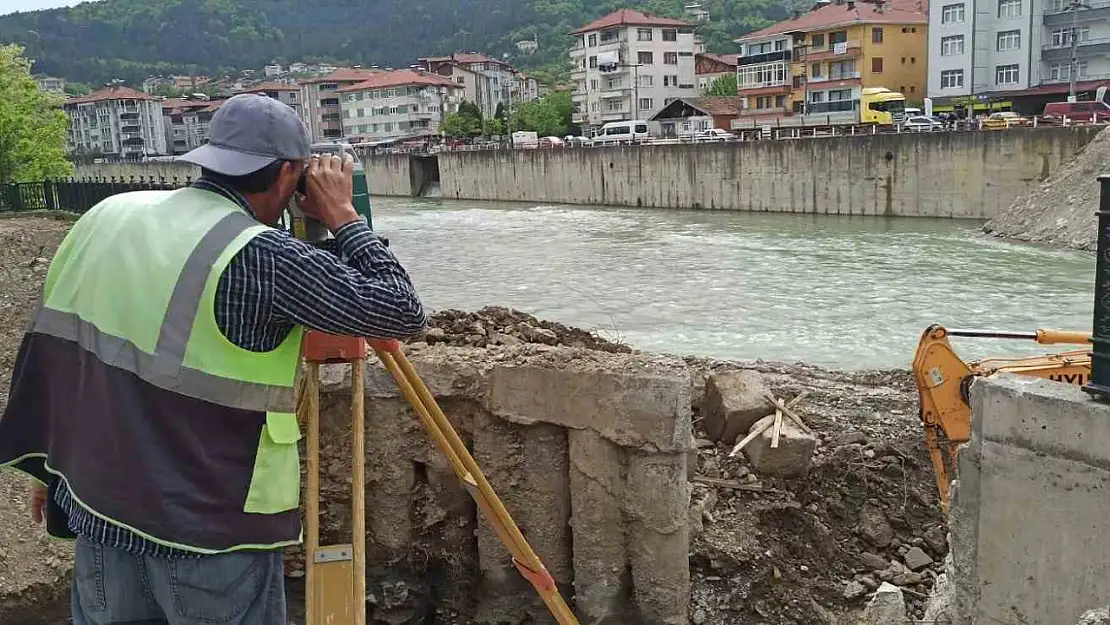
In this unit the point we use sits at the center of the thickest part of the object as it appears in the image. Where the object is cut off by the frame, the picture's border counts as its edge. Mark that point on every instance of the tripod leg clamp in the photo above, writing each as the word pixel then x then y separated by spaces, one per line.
pixel 540 579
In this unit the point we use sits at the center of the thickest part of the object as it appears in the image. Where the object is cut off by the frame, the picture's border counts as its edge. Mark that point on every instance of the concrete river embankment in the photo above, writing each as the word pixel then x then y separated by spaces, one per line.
pixel 951 174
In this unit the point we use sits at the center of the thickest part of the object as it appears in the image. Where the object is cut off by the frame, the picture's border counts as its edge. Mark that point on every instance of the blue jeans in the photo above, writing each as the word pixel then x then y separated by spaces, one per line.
pixel 115 587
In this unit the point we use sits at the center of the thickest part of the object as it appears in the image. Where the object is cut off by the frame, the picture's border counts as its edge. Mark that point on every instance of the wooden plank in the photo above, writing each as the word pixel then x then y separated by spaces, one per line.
pixel 333 600
pixel 776 429
pixel 755 431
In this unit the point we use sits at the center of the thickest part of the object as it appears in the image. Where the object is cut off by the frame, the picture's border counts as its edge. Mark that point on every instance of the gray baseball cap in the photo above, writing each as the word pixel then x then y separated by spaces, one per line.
pixel 249 132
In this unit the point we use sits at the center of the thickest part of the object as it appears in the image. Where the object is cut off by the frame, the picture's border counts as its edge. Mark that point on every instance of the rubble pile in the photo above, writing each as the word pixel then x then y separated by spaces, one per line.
pixel 496 325
pixel 1061 211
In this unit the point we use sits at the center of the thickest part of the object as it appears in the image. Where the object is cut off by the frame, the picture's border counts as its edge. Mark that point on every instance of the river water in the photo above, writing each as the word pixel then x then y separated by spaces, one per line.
pixel 843 292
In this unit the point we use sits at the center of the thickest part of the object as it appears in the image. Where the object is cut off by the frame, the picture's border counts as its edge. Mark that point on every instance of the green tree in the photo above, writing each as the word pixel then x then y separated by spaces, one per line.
pixel 723 86
pixel 549 116
pixel 32 124
pixel 460 126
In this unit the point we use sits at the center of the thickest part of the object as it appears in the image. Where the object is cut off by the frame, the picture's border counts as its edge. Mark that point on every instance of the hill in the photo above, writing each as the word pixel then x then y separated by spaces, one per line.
pixel 96 42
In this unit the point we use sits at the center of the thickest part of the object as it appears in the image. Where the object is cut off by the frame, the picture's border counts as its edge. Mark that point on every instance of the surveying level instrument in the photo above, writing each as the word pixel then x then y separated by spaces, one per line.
pixel 335 575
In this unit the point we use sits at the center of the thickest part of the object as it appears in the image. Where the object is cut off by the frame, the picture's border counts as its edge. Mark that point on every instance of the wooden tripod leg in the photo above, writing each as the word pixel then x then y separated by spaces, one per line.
pixel 310 403
pixel 358 490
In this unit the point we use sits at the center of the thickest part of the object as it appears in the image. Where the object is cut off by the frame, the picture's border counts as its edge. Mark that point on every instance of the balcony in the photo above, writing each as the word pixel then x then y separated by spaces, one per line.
pixel 763 85
pixel 1085 49
pixel 1062 17
pixel 134 115
pixel 768 57
pixel 833 77
pixel 845 50
pixel 1048 80
pixel 616 116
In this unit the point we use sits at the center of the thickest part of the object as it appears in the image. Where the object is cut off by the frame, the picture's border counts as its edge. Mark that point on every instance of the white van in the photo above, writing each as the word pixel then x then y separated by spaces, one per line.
pixel 621 132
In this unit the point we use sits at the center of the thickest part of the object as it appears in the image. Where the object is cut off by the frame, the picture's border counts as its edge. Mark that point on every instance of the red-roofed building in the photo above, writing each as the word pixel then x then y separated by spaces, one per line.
pixel 320 103
pixel 397 104
pixel 116 121
pixel 282 92
pixel 819 61
pixel 186 122
pixel 629 65
pixel 488 82
pixel 710 67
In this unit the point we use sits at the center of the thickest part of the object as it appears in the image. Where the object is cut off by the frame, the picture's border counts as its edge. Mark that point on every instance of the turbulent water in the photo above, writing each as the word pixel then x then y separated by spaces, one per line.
pixel 844 292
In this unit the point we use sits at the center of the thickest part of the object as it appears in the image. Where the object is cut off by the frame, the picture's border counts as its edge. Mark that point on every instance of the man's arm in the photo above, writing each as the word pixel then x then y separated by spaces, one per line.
pixel 372 296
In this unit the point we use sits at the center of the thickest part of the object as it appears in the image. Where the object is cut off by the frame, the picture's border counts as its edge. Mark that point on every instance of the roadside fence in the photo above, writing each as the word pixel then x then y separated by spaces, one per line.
pixel 76 195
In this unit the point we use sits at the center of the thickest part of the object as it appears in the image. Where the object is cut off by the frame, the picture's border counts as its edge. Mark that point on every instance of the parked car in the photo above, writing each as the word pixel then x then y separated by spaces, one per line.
pixel 1005 119
pixel 573 141
pixel 922 123
pixel 714 135
pixel 551 142
pixel 1091 110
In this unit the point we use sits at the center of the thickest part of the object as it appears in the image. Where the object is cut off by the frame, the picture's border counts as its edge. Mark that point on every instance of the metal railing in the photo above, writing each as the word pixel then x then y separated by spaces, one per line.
pixel 76 195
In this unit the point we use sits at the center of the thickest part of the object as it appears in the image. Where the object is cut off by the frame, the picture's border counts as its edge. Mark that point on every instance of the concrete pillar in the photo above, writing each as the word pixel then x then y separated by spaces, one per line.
pixel 657 500
pixel 527 467
pixel 602 581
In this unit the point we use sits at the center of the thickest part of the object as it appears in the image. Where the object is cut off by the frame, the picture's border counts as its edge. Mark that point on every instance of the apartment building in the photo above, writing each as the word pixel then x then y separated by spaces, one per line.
pixel 117 121
pixel 1015 53
pixel 397 104
pixel 186 123
pixel 629 65
pixel 51 84
pixel 489 82
pixel 320 101
pixel 709 67
pixel 285 93
pixel 819 61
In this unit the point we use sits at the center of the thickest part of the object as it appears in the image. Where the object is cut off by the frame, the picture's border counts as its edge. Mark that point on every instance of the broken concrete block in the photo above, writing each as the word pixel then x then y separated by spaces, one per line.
pixel 874 526
pixel 791 458
pixel 916 559
pixel 887 607
pixel 1098 616
pixel 733 402
pixel 657 501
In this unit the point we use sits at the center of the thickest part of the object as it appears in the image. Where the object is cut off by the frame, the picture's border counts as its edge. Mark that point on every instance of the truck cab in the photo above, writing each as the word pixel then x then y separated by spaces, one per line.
pixel 879 105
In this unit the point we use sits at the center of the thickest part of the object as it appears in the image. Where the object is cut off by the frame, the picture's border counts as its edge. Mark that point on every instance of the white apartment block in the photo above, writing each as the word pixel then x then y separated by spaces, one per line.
pixel 629 65
pixel 116 122
pixel 320 101
pixel 51 84
pixel 187 122
pixel 398 104
pixel 980 48
pixel 489 83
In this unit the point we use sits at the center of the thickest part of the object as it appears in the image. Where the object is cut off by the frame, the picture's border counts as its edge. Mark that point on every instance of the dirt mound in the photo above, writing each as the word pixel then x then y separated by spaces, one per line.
pixel 1062 210
pixel 810 550
pixel 33 569
pixel 495 325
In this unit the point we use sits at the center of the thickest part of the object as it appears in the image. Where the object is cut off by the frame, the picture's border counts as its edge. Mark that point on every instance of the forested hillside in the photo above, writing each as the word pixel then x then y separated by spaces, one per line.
pixel 130 39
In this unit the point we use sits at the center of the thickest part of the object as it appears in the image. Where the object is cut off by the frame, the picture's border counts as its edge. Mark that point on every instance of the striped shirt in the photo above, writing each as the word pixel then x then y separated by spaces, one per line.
pixel 273 284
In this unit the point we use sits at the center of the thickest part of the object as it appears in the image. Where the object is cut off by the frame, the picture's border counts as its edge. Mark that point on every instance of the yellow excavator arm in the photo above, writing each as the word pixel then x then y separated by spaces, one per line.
pixel 943 380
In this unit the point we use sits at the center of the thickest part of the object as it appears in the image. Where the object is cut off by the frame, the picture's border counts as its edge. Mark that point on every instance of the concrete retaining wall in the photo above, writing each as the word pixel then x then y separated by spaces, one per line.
pixel 957 174
pixel 587 450
pixel 1031 510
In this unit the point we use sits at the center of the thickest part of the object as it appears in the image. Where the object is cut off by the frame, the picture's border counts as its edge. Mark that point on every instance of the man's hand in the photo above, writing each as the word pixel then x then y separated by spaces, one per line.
pixel 329 185
pixel 38 502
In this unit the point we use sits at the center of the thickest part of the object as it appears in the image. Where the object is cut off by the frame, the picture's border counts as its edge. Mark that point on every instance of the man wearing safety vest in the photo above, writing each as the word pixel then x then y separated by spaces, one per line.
pixel 152 397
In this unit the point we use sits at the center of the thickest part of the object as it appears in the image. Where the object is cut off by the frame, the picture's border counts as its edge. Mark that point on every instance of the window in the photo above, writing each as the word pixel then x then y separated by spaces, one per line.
pixel 840 36
pixel 1061 37
pixel 877 35
pixel 643 34
pixel 780 101
pixel 593 40
pixel 647 81
pixel 817 96
pixel 780 45
pixel 593 61
pixel 670 80
pixel 593 84
pixel 842 69
pixel 818 41
pixel 764 75
pixel 670 34
pixel 646 104
pixel 670 58
pixel 1062 71
pixel 1009 40
pixel 614 106
pixel 815 70
pixel 877 65
pixel 612 83
pixel 952 14
pixel 1059 5
pixel 952 46
pixel 763 102
pixel 645 58
pixel 1006 74
pixel 1009 8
